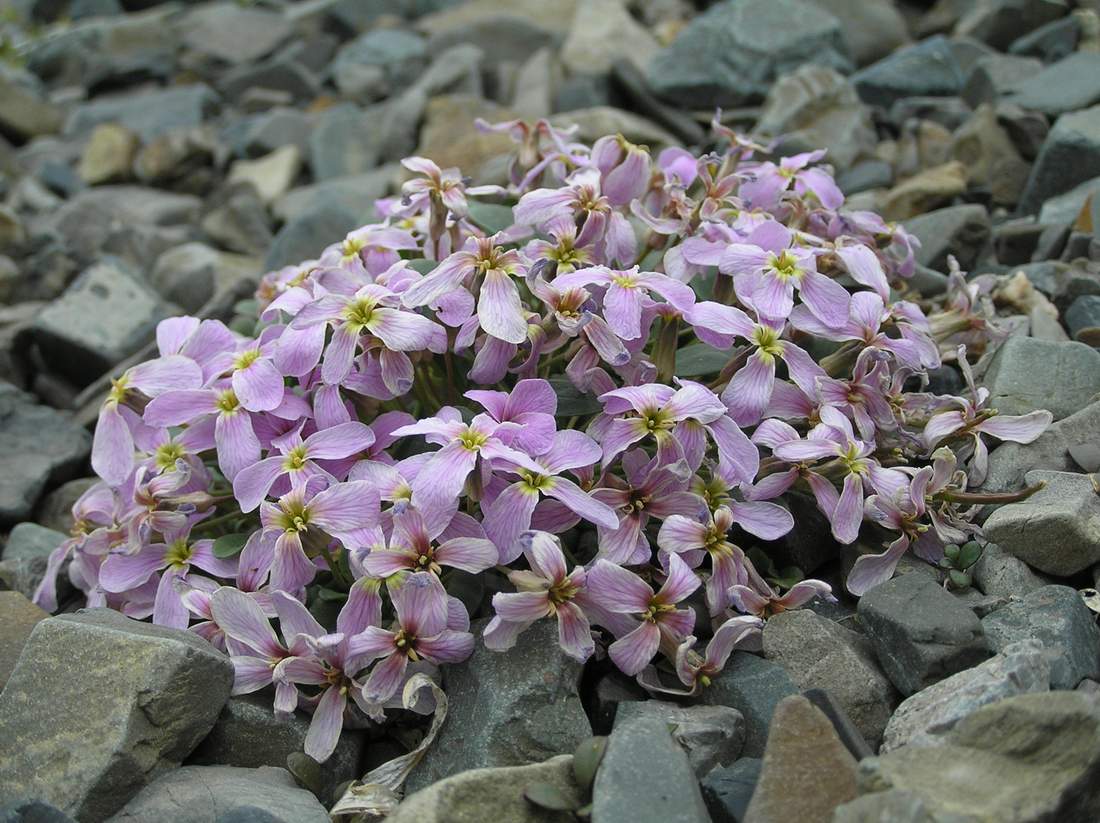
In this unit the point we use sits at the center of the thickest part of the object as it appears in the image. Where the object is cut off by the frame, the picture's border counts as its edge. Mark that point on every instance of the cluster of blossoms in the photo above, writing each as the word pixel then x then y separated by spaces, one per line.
pixel 471 388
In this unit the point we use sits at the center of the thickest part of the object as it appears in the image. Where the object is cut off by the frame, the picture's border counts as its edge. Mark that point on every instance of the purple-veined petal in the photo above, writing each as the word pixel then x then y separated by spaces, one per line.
pixel 238 446
pixel 499 308
pixel 336 442
pixel 168 608
pixel 574 632
pixel 767 521
pixel 681 534
pixel 680 582
pixel 122 572
pixel 618 590
pixel 448 646
pixel 325 727
pixel 826 298
pixel 1022 428
pixel 747 395
pixel 545 555
pixel 633 652
pixel 339 354
pixel 582 503
pixel 623 311
pixel 259 386
pixel 250 674
pixel 252 483
pixel 241 618
pixel 421 604
pixel 294 618
pixel 344 507
pixel 112 446
pixel 849 510
pixel 386 677
pixel 871 569
pixel 522 607
pixel 177 407
pixel 471 554
pixel 507 517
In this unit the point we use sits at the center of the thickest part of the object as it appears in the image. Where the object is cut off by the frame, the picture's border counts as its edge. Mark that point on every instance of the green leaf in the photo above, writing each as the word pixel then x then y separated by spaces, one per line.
pixel 229 545
pixel 698 359
pixel 423 266
pixel 586 760
pixel 571 401
pixel 968 555
pixel 548 796
pixel 248 308
pixel 787 577
pixel 306 771
pixel 960 580
pixel 951 551
pixel 331 595
pixel 492 217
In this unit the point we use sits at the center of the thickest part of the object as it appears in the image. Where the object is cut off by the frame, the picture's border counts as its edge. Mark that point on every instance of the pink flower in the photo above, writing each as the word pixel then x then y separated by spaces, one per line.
pixel 410 547
pixel 693 671
pixel 627 294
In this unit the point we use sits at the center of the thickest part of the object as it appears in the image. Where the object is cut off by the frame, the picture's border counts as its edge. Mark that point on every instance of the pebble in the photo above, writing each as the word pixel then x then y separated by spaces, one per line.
pixel 303 237
pixel 109 155
pixel 926 68
pixel 728 790
pixel 1027 374
pixel 712 736
pixel 754 686
pixel 1070 154
pixel 25 555
pixel 18 617
pixel 272 175
pixel 147 114
pixel 233 34
pixel 960 231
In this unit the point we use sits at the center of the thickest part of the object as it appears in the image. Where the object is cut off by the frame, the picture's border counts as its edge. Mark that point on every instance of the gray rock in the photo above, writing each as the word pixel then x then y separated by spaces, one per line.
pixel 340 144
pixel 962 231
pixel 927 68
pixel 147 114
pixel 41 447
pixel 357 193
pixel 305 237
pixel 247 734
pixel 1057 529
pixel 1051 42
pixel 711 735
pixel 25 555
pixel 920 633
pixel 603 32
pixel 999 22
pixel 728 790
pixel 1070 154
pixel 233 34
pixel 894 806
pixel 818 653
pixel 508 708
pixel 1057 618
pixel 56 510
pixel 1026 374
pixel 754 686
pixel 399 55
pixel 238 221
pixel 730 54
pixel 18 617
pixel 32 811
pixel 281 72
pixel 866 175
pixel 272 175
pixel 478 795
pixel 1034 757
pixel 106 315
pixel 24 113
pixel 806 770
pixel 1064 208
pixel 1065 86
pixel 924 718
pixel 646 777
pixel 872 28
pixel 211 794
pixel 186 275
pixel 994 163
pixel 267 131
pixel 999 573
pixel 994 75
pixel 1083 318
pixel 147 695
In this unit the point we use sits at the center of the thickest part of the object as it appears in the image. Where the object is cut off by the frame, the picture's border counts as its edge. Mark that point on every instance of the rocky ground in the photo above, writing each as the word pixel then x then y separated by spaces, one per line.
pixel 157 158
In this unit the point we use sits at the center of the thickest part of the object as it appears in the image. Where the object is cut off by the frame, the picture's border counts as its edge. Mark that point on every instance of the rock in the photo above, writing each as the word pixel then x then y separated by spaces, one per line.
pixel 106 315
pixel 23 112
pixel 1070 154
pixel 1083 318
pixel 270 130
pixel 56 509
pixel 1064 208
pixel 357 193
pixel 395 56
pixel 247 734
pixel 872 28
pixel 211 794
pixel 32 811
pixel 25 555
pixel 727 790
pixel 273 175
pixel 281 72
pixel 191 274
pixel 1057 618
pixel 1000 22
pixel 925 191
pixel 949 112
pixel 729 55
pixel 1051 42
pixel 816 106
pixel 996 74
pixel 109 154
pixel 478 795
pixel 962 231
pixel 1026 374
pixel 41 447
pixel 603 32
pixel 306 236
pixel 920 633
pixel 926 68
pixel 18 617
pixel 87 750
pixel 711 735
pixel 508 708
pixel 818 653
pixel 507 33
pixel 991 158
pixel 645 776
pixel 450 137
pixel 1027 758
pixel 924 718
pixel 147 114
pixel 999 573
pixel 595 122
pixel 807 772
pixel 232 33
pixel 754 686
pixel 338 145
pixel 1061 87
pixel 238 221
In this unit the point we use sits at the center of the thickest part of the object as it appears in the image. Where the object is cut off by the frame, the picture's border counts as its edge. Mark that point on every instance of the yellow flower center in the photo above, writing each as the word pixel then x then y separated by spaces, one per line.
pixel 119 388
pixel 536 482
pixel 785 265
pixel 767 340
pixel 246 359
pixel 295 459
pixel 360 312
pixel 178 553
pixel 227 401
pixel 166 456
pixel 472 440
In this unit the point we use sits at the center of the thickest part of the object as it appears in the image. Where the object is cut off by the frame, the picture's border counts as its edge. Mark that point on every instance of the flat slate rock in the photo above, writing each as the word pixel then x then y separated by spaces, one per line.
pixel 1028 374
pixel 754 686
pixel 711 735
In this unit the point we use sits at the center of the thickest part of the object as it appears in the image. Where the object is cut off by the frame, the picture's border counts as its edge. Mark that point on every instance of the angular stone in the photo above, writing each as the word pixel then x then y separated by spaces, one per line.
pixel 1083 318
pixel 283 71
pixel 729 55
pixel 926 717
pixel 306 236
pixel 999 573
pixel 270 130
pixel 992 159
pixel 1057 618
pixel 23 113
pixel 508 708
pixel 247 734
pixel 927 68
pixel 646 777
pixel 992 76
pixel 925 191
pixel 1034 757
pixel 232 33
pixel 1065 86
pixel 754 686
pixel 25 556
pixel 273 175
pixel 32 811
pixel 109 155
pixel 106 315
pixel 1052 42
pixel 507 33
pixel 147 114
pixel 41 446
pixel 1070 154
pixel 711 735
pixel 728 790
pixel 962 231
pixel 920 633
pixel 238 221
pixel 1026 374
pixel 1057 529
pixel 872 28
pixel 391 57
pixel 479 795
pixel 340 145
pixel 100 705
pixel 450 137
pixel 18 617
pixel 807 772
pixel 210 794
pixel 603 32
pixel 999 22
pixel 357 193
pixel 191 274
pixel 818 653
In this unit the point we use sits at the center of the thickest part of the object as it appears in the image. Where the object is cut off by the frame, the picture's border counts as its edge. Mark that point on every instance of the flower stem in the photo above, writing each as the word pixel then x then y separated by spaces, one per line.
pixel 992 497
